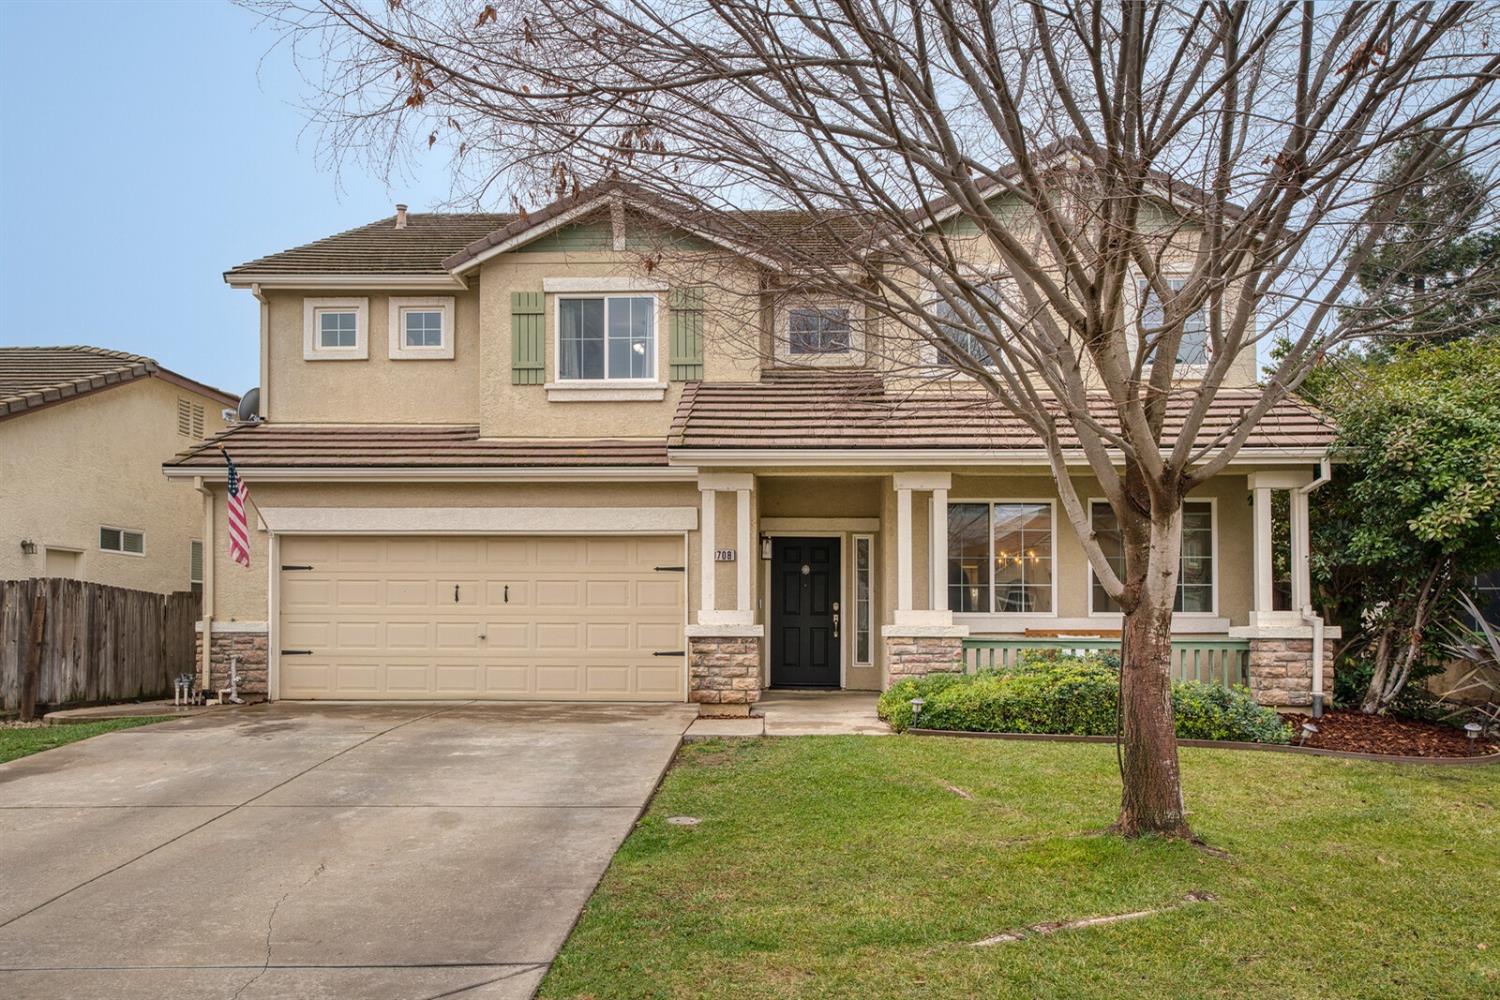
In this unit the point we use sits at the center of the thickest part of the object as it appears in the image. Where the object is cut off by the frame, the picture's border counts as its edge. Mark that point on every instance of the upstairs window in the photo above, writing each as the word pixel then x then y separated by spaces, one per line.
pixel 190 419
pixel 968 330
pixel 335 329
pixel 606 338
pixel 421 327
pixel 818 330
pixel 1192 349
pixel 1195 567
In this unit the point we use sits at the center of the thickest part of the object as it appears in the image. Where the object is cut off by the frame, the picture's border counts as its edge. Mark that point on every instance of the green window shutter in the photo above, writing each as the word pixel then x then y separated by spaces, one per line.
pixel 528 338
pixel 686 359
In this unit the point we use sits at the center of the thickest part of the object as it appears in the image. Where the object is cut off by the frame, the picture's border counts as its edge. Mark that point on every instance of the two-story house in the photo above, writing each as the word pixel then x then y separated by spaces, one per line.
pixel 596 452
pixel 83 433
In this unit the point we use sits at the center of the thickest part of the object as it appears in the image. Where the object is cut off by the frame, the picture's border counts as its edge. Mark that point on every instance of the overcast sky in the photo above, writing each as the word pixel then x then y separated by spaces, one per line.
pixel 145 147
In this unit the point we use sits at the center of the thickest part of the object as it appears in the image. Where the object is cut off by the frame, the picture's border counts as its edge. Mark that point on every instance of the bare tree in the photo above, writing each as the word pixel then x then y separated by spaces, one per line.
pixel 1222 157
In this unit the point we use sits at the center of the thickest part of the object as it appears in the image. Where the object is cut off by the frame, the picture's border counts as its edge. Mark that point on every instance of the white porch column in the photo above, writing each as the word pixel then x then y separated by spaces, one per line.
pixel 1301 545
pixel 1261 596
pixel 937 576
pixel 903 549
pixel 710 484
pixel 938 483
pixel 744 553
pixel 707 600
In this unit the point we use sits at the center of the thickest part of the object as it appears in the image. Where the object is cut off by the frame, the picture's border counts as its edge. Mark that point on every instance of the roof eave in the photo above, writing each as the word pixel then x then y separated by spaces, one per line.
pixel 335 281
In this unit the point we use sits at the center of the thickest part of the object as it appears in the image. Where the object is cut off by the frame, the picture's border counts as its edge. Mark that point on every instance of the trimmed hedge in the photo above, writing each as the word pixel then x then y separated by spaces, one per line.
pixel 1053 692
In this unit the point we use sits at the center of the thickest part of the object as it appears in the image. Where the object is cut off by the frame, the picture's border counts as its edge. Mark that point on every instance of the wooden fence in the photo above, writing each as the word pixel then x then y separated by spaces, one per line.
pixel 99 644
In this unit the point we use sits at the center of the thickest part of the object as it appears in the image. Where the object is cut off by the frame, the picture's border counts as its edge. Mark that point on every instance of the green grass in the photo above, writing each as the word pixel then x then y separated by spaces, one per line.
pixel 15 743
pixel 844 867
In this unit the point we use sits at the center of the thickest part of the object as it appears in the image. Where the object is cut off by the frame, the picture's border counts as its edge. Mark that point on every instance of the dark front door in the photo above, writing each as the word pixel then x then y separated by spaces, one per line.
pixel 805 612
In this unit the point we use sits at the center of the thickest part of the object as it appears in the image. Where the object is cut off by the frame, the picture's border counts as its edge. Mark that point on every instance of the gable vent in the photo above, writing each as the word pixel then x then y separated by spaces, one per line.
pixel 189 419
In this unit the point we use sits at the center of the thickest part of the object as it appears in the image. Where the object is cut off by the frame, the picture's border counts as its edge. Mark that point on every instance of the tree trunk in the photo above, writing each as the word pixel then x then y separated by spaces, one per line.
pixel 1151 798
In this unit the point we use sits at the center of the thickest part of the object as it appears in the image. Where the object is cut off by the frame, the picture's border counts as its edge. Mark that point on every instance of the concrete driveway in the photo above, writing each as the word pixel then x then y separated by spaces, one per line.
pixel 319 850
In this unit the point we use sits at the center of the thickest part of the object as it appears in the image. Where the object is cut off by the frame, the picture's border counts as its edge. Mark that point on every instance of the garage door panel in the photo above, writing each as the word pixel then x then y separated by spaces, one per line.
pixel 535 617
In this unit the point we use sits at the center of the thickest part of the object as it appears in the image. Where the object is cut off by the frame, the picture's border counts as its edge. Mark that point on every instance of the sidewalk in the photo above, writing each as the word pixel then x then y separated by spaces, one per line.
pixel 801 713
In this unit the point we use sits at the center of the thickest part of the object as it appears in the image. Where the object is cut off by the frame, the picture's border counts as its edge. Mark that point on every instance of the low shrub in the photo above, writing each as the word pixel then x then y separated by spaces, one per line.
pixel 1050 691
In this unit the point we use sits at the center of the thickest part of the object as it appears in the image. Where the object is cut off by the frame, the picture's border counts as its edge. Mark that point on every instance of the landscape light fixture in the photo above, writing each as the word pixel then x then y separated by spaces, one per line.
pixel 916 709
pixel 1472 731
pixel 1308 729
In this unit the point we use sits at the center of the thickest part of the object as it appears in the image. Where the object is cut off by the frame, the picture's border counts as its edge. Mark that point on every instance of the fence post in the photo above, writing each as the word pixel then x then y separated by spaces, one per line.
pixel 34 656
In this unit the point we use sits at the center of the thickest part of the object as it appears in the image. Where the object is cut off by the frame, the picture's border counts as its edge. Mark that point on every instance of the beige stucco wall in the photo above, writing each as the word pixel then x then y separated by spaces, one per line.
pixel 379 389
pixel 70 468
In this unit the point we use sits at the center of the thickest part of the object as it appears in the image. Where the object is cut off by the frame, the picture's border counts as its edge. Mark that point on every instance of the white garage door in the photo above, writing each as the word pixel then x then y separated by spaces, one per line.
pixel 563 618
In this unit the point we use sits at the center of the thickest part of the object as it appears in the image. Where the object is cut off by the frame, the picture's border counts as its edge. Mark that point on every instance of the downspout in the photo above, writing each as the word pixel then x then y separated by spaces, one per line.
pixel 1325 473
pixel 210 554
pixel 265 349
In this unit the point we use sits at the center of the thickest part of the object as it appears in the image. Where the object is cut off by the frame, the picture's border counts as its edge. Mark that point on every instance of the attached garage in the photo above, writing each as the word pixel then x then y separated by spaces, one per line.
pixel 546 617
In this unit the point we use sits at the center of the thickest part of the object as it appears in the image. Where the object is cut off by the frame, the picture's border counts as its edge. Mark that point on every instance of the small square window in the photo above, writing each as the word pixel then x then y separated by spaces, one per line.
pixel 337 328
pixel 334 329
pixel 421 329
pixel 424 329
pixel 109 539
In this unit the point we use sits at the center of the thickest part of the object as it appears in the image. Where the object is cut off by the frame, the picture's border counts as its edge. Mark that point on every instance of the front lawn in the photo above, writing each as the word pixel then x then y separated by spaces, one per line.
pixel 21 742
pixel 853 866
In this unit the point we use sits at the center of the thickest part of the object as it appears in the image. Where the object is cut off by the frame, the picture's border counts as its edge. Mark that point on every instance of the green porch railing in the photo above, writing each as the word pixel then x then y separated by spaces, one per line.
pixel 1212 661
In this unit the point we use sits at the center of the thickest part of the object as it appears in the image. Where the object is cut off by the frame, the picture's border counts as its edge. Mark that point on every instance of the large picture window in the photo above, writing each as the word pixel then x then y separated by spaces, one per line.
pixel 1195 570
pixel 968 330
pixel 609 337
pixel 1000 557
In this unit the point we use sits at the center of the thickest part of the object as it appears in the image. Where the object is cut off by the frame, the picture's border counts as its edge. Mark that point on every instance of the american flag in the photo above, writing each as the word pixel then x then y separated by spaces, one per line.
pixel 239 534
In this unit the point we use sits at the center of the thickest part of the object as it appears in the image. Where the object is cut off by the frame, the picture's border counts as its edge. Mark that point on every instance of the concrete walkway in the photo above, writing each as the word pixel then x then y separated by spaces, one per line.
pixel 801 713
pixel 319 850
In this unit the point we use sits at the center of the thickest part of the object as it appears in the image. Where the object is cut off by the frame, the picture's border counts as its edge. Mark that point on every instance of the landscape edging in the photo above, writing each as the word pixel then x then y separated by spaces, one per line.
pixel 1493 758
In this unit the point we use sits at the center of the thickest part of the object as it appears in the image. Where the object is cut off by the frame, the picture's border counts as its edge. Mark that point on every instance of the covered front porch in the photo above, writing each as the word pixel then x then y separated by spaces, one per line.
pixel 840 578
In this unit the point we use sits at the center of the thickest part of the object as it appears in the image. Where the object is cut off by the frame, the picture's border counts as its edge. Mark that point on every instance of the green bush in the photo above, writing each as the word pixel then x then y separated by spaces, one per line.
pixel 1053 692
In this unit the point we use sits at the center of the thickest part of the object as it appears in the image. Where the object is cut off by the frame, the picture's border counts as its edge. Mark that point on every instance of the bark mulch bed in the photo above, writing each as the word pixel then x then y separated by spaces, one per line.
pixel 1360 733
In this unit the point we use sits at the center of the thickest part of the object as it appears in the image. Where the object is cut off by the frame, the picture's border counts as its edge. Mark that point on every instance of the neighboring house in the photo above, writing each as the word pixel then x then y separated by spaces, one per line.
pixel 83 433
pixel 597 452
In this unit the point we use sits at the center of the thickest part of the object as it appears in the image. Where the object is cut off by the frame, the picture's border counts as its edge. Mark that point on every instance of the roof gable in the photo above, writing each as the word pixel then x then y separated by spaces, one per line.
pixel 34 377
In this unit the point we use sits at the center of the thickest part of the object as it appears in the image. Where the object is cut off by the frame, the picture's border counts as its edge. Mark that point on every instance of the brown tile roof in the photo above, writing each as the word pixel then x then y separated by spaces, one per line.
pixel 410 446
pixel 802 411
pixel 32 377
pixel 381 248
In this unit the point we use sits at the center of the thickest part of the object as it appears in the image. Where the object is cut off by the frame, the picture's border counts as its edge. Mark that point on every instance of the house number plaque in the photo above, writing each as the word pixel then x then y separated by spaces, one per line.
pixel 724 555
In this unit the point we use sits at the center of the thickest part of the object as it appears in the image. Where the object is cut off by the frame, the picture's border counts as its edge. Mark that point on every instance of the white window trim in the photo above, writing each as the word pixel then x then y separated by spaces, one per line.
pixel 872 601
pixel 1132 334
pixel 396 327
pixel 782 337
pixel 605 285
pixel 312 351
pixel 1213 530
pixel 997 616
pixel 121 550
pixel 605 389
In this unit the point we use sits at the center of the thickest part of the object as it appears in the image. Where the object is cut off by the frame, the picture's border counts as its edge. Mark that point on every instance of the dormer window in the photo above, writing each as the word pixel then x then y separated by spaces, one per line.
pixel 421 328
pixel 818 330
pixel 606 338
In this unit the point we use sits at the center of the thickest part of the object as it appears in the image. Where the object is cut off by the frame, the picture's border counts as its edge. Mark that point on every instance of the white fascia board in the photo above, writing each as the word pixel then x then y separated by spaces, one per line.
pixel 480 520
pixel 675 474
pixel 788 457
pixel 403 282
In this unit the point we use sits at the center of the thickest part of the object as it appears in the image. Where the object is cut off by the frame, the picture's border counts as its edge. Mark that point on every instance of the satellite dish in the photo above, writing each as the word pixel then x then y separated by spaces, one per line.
pixel 250 406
